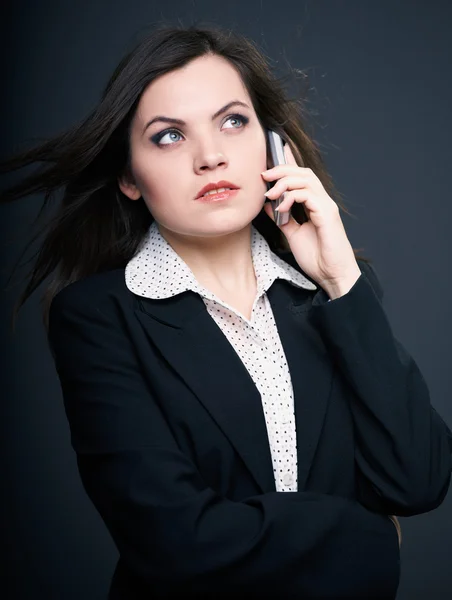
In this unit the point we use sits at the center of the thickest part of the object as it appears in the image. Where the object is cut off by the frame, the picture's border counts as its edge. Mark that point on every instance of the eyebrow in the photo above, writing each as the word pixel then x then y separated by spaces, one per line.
pixel 181 122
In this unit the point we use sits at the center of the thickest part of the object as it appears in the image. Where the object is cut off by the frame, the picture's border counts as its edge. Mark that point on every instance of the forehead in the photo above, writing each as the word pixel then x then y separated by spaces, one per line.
pixel 203 85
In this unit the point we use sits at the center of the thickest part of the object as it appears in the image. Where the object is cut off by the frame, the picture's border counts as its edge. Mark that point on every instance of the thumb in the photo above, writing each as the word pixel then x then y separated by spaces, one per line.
pixel 290 228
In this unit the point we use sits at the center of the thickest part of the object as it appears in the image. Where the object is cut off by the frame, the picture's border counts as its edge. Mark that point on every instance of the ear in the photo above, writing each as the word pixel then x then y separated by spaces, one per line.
pixel 128 187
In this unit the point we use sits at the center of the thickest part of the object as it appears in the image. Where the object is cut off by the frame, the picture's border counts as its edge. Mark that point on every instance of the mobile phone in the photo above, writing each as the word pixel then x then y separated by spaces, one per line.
pixel 277 157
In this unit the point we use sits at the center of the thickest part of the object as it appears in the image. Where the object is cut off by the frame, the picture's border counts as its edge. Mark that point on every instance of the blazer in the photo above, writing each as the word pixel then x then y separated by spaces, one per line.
pixel 171 442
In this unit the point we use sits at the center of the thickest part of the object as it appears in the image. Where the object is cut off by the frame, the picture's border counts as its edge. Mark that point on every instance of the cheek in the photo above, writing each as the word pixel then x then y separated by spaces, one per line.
pixel 257 160
pixel 155 184
pixel 164 193
pixel 256 163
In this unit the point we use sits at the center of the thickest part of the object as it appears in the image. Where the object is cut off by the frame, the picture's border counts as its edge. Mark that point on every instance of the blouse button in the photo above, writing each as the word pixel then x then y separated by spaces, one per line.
pixel 257 338
pixel 285 418
pixel 287 479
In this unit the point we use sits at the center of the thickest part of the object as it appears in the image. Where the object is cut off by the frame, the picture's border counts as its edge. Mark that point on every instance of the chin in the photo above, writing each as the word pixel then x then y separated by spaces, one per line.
pixel 216 223
pixel 222 224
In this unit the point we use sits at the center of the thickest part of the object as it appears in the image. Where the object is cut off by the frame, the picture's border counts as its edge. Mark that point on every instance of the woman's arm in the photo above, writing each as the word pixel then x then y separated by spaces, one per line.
pixel 171 529
pixel 403 450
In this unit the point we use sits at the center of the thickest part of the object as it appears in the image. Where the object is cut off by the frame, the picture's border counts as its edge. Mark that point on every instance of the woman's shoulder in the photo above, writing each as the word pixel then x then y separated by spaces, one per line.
pixel 100 289
pixel 86 314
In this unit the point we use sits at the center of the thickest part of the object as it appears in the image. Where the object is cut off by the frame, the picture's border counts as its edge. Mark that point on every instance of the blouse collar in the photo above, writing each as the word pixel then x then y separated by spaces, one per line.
pixel 157 271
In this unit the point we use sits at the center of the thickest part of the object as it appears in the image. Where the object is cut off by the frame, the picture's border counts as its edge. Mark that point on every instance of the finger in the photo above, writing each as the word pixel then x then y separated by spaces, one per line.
pixel 289 198
pixel 268 207
pixel 289 228
pixel 290 158
pixel 306 199
pixel 314 206
pixel 285 184
pixel 286 169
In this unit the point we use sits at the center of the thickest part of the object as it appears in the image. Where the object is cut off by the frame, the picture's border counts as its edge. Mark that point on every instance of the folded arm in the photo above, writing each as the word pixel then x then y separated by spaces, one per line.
pixel 403 447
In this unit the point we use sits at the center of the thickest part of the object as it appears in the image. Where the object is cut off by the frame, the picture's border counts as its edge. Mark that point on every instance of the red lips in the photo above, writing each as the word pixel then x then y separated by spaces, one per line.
pixel 216 186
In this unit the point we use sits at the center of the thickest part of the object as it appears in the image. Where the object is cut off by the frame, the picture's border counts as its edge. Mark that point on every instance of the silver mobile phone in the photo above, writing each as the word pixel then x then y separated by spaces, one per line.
pixel 277 157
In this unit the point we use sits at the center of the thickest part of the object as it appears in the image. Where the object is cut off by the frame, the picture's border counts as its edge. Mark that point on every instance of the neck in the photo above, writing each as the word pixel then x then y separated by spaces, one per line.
pixel 218 263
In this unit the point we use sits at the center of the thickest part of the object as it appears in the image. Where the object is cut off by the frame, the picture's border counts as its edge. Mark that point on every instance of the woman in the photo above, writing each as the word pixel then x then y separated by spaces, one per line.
pixel 209 360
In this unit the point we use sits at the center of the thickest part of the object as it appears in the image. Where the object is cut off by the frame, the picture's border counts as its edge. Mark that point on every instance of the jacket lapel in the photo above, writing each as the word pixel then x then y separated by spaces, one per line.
pixel 197 349
pixel 192 343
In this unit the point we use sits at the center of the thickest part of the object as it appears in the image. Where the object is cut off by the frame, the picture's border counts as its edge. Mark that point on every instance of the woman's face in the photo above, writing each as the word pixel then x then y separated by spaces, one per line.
pixel 172 161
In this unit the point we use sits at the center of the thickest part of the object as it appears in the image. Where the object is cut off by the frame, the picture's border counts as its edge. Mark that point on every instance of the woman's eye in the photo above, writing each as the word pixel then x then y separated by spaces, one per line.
pixel 237 118
pixel 170 134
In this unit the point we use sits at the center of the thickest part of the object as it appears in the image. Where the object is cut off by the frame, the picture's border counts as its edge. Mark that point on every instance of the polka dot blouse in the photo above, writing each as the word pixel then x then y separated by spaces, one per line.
pixel 157 272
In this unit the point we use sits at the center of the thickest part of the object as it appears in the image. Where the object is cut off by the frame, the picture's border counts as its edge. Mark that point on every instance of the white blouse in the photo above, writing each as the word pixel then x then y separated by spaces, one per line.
pixel 157 271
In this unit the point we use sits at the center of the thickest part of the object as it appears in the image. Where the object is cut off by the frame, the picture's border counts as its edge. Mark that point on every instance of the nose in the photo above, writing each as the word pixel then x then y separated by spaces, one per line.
pixel 208 158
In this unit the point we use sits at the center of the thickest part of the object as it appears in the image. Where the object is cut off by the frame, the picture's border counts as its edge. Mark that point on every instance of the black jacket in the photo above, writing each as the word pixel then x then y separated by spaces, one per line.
pixel 172 446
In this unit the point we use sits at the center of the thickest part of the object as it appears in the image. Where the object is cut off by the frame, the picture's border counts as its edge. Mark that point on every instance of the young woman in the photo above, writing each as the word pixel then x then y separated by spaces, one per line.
pixel 243 417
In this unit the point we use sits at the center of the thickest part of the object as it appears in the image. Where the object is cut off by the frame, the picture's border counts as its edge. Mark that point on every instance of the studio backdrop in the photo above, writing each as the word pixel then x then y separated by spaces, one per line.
pixel 378 80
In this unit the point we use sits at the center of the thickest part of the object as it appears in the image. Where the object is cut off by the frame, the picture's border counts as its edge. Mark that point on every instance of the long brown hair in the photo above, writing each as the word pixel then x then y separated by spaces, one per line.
pixel 95 227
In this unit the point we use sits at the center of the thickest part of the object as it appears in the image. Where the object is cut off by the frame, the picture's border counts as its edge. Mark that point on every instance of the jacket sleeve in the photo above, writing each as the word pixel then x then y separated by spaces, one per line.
pixel 403 447
pixel 170 528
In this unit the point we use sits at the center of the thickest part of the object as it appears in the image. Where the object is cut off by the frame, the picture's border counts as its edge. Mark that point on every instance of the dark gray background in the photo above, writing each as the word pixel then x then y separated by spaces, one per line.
pixel 381 88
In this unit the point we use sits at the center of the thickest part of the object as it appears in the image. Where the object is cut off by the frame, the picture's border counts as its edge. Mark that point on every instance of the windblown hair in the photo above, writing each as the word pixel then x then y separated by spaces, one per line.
pixel 95 227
